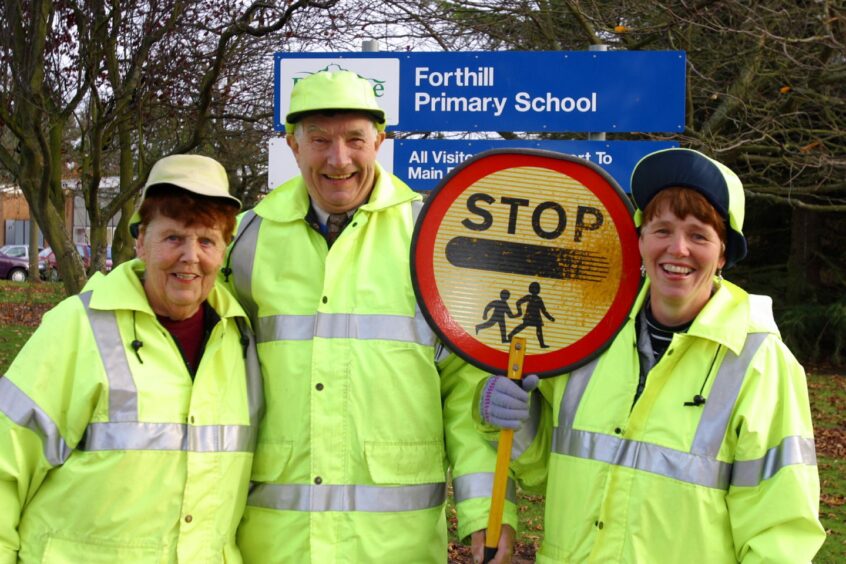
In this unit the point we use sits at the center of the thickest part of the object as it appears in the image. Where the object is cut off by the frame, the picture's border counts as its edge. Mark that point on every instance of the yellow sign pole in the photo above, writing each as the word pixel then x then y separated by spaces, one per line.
pixel 503 457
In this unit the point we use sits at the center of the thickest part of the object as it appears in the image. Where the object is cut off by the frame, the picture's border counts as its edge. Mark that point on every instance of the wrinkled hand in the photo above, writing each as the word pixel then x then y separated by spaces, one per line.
pixel 505 402
pixel 504 549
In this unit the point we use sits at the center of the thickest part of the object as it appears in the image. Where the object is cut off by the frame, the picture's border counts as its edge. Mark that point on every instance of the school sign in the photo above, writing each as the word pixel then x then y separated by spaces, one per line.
pixel 537 91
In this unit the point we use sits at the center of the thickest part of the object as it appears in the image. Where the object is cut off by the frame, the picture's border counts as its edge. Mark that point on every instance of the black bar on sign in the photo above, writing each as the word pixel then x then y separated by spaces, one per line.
pixel 525 259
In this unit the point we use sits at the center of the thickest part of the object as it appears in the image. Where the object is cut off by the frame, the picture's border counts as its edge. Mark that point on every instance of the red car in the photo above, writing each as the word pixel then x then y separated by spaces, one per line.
pixel 49 267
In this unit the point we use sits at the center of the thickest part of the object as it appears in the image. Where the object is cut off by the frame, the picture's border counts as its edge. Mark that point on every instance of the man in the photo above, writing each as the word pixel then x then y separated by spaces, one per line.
pixel 364 408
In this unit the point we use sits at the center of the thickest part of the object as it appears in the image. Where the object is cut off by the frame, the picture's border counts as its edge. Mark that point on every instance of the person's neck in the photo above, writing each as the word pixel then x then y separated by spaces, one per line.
pixel 671 314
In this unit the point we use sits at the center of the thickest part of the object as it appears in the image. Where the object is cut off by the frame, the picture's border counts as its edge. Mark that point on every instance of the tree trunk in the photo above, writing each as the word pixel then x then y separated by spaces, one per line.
pixel 34 275
pixel 803 265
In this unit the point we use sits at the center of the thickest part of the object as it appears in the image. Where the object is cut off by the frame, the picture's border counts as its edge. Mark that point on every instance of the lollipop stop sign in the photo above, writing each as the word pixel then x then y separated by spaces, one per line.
pixel 526 243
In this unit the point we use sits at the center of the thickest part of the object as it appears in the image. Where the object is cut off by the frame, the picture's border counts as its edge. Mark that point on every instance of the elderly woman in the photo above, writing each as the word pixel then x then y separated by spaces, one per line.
pixel 127 421
pixel 689 439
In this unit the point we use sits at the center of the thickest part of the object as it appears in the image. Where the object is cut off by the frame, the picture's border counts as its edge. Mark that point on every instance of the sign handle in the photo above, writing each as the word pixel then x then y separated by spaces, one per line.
pixel 503 457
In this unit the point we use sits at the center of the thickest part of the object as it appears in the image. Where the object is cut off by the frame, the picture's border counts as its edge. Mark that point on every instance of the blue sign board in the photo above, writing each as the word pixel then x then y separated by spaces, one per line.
pixel 534 91
pixel 423 163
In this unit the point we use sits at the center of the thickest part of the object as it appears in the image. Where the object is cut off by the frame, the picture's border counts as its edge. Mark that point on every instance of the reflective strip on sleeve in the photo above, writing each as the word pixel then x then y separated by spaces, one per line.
pixel 345 326
pixel 167 436
pixel 416 207
pixel 480 484
pixel 792 450
pixel 389 499
pixel 242 257
pixel 23 411
pixel 123 396
pixel 525 435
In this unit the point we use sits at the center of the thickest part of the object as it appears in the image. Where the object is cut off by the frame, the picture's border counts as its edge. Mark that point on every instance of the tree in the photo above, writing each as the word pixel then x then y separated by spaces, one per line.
pixel 136 80
pixel 766 95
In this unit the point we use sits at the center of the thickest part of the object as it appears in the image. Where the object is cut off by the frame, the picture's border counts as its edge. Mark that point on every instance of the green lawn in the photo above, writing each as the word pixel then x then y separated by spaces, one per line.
pixel 21 306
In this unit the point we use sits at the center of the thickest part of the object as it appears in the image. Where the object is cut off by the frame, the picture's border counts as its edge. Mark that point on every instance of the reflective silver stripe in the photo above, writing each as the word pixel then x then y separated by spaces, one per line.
pixel 242 255
pixel 576 386
pixel 285 328
pixel 123 431
pixel 167 436
pixel 383 327
pixel 699 466
pixel 346 326
pixel 480 484
pixel 416 206
pixel 23 411
pixel 792 450
pixel 255 386
pixel 525 435
pixel 123 396
pixel 296 497
pixel 646 457
pixel 722 397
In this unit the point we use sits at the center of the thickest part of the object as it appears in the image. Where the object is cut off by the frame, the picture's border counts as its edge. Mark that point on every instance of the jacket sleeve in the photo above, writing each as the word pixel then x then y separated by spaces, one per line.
pixel 773 500
pixel 44 409
pixel 472 458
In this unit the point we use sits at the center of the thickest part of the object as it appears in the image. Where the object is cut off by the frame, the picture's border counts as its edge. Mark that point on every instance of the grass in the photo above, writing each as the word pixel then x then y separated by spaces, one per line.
pixel 21 307
pixel 827 391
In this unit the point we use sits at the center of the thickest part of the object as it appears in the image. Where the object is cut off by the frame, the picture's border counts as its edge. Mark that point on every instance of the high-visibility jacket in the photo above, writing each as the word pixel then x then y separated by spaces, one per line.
pixel 672 479
pixel 361 419
pixel 111 456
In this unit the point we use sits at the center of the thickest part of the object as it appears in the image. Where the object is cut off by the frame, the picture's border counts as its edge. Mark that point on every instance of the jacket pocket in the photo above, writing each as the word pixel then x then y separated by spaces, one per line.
pixel 270 460
pixel 66 551
pixel 410 462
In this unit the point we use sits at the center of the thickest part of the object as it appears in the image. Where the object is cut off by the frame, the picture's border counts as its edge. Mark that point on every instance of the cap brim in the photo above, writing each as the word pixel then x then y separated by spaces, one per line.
pixel 378 116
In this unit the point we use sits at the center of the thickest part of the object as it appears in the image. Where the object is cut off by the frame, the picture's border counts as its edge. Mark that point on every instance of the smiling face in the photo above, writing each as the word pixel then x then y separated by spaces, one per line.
pixel 181 264
pixel 681 257
pixel 336 155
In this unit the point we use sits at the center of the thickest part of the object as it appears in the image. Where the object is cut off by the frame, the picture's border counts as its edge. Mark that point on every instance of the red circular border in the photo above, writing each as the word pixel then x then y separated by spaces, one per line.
pixel 546 363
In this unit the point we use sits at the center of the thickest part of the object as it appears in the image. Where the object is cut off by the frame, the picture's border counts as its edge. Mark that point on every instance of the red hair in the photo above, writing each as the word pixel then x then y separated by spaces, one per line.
pixel 684 202
pixel 190 209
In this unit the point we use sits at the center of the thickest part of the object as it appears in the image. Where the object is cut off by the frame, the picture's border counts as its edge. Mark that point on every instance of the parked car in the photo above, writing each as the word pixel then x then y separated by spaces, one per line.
pixel 19 251
pixel 48 265
pixel 14 268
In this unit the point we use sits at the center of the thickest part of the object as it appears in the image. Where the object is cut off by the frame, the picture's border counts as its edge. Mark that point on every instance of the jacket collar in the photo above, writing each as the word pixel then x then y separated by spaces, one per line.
pixel 122 289
pixel 290 202
pixel 724 319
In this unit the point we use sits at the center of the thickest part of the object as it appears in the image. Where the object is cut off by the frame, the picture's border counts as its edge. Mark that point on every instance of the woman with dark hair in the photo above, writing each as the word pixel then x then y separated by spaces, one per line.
pixel 689 439
pixel 127 421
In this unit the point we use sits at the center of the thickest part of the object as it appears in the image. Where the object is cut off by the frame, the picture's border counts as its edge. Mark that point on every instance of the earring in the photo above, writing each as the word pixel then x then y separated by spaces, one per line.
pixel 719 274
pixel 643 271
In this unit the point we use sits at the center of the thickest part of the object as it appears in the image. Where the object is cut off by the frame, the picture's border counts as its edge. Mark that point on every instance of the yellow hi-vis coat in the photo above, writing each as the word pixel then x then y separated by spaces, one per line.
pixel 361 419
pixel 105 458
pixel 670 480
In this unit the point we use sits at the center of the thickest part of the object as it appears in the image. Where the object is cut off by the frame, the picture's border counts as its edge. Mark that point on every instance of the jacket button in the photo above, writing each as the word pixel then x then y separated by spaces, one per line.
pixel 618 431
pixel 325 299
pixel 188 518
pixel 599 525
pixel 191 419
pixel 670 352
pixel 318 480
pixel 318 386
